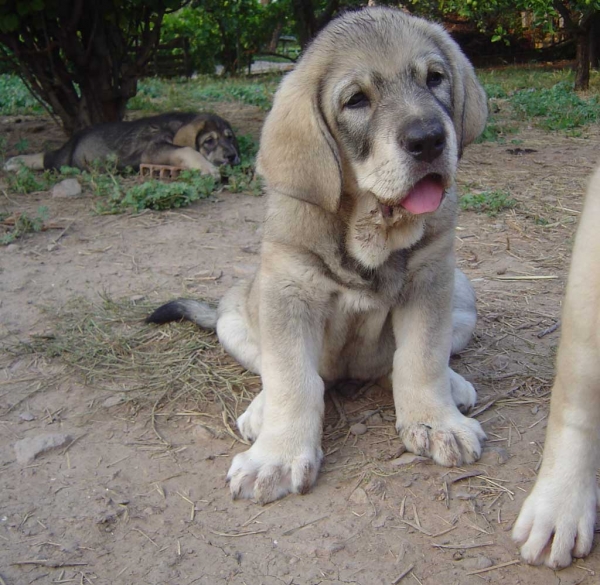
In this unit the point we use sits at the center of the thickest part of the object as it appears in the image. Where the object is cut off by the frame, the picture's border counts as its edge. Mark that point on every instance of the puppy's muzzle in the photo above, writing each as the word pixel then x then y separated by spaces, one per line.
pixel 424 140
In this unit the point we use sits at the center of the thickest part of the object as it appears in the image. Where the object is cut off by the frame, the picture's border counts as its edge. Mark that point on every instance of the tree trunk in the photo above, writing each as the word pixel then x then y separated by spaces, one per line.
pixel 81 63
pixel 272 47
pixel 582 71
pixel 595 42
pixel 306 22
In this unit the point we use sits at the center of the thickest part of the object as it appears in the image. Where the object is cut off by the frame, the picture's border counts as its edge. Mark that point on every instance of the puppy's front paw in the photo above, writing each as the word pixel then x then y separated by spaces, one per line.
pixel 250 423
pixel 273 468
pixel 449 438
pixel 557 520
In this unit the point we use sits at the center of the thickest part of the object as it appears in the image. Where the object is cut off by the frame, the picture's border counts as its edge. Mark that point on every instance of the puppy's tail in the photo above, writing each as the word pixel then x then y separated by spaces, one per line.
pixel 201 314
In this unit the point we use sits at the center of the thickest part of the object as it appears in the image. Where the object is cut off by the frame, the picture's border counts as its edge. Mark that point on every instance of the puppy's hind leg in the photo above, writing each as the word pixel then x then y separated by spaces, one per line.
pixel 238 339
pixel 35 162
pixel 464 312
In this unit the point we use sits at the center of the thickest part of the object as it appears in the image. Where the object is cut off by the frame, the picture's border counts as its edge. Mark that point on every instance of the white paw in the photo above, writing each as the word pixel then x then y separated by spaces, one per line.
pixel 463 393
pixel 13 164
pixel 445 435
pixel 274 467
pixel 557 520
pixel 250 423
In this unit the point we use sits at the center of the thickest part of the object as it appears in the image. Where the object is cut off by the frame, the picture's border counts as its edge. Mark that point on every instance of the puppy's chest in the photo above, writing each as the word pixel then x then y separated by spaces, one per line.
pixel 382 288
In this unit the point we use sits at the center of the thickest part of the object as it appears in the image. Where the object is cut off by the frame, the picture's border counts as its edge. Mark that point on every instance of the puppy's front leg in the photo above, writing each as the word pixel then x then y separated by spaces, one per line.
pixel 557 520
pixel 287 453
pixel 428 419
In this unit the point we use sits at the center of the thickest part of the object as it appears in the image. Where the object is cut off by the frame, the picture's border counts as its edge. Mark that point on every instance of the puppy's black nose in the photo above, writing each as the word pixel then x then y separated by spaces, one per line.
pixel 233 159
pixel 424 139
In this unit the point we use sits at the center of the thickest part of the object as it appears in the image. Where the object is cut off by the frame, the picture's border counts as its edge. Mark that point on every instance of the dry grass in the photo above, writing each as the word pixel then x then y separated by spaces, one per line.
pixel 174 368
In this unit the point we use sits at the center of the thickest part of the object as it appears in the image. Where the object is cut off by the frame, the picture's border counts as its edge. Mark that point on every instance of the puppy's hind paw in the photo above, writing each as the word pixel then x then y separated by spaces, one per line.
pixel 251 422
pixel 463 393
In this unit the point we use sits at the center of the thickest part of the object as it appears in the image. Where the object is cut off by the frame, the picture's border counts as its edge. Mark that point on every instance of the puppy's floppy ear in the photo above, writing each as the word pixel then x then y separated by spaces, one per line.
pixel 298 155
pixel 470 100
pixel 186 135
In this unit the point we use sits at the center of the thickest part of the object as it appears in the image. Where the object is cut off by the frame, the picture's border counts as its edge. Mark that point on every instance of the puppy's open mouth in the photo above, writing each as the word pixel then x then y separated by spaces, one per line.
pixel 424 197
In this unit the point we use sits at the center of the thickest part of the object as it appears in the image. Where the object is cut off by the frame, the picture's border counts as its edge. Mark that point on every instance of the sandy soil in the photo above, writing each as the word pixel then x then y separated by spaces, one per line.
pixel 123 504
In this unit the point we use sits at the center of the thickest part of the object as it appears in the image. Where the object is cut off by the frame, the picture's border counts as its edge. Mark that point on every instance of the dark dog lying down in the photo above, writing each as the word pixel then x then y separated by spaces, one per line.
pixel 188 140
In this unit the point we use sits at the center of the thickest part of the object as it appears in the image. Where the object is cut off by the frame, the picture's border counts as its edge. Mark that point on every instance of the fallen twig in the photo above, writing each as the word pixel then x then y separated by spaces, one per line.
pixel 461 546
pixel 49 564
pixel 237 534
pixel 500 566
pixel 292 530
pixel 549 330
pixel 403 574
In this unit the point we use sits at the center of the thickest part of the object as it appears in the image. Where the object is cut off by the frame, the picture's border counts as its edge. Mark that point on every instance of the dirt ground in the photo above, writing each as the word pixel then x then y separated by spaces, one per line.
pixel 131 503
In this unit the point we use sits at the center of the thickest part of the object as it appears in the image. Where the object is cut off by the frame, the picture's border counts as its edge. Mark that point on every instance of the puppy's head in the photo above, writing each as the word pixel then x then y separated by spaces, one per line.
pixel 213 137
pixel 379 110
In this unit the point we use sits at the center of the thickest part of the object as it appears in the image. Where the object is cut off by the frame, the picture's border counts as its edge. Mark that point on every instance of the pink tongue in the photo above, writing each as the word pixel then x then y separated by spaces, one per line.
pixel 424 197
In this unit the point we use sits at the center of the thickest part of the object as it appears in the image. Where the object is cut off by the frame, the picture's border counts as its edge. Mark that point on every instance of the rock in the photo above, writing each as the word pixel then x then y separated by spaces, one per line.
pixel 136 298
pixel 113 401
pixel 203 433
pixel 358 429
pixel 407 459
pixel 12 248
pixel 494 456
pixel 380 521
pixel 28 449
pixel 327 551
pixel 26 416
pixel 479 562
pixel 67 188
pixel 376 487
pixel 244 270
pixel 463 495
pixel 359 496
pixel 376 419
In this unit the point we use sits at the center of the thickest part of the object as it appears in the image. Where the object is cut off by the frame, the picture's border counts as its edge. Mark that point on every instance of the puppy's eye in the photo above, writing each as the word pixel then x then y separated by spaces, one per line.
pixel 434 79
pixel 358 100
pixel 209 142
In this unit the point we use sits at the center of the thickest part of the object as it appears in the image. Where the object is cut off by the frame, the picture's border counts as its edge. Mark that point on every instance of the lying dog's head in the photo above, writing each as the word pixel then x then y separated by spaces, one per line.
pixel 213 137
pixel 377 111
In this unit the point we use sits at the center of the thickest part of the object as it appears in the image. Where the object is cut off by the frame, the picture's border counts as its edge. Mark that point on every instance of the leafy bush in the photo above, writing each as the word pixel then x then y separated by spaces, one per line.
pixel 15 97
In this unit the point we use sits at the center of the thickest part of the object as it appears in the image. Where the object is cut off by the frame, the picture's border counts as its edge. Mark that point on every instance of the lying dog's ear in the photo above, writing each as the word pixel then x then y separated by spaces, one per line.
pixel 298 155
pixel 470 100
pixel 186 135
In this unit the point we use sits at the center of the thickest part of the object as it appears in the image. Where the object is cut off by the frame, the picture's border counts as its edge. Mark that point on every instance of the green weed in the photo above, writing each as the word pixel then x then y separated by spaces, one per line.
pixel 489 202
pixel 22 145
pixel 3 145
pixel 158 195
pixel 189 94
pixel 556 108
pixel 495 131
pixel 25 181
pixel 25 224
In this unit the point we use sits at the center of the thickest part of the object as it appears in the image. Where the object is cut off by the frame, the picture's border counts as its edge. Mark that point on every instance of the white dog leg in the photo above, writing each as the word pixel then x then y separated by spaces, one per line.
pixel 557 519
